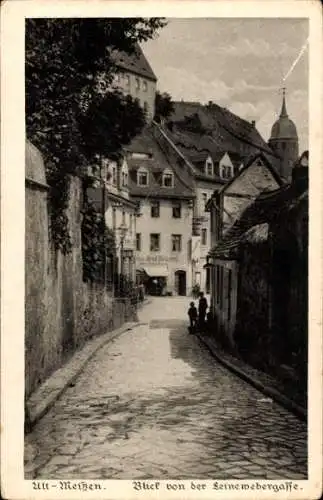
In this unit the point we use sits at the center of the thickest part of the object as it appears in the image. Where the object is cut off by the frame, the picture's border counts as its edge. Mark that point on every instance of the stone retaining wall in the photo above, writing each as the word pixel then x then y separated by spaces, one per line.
pixel 61 311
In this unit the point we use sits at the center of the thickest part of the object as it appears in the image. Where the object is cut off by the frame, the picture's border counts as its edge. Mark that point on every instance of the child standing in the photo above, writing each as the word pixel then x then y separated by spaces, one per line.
pixel 192 313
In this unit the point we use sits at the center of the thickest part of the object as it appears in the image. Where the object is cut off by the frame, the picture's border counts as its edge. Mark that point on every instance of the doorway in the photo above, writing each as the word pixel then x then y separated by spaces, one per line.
pixel 180 282
pixel 208 280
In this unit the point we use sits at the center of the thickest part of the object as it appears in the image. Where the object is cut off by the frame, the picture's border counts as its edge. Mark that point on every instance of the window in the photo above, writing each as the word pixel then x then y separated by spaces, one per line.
pixel 226 172
pixel 114 218
pixel 176 242
pixel 137 84
pixel 209 167
pixel 145 107
pixel 204 197
pixel 168 179
pixel 155 209
pixel 124 177
pixel 130 223
pixel 145 86
pixel 177 210
pixel 204 236
pixel 114 175
pixel 142 178
pixel 123 218
pixel 127 80
pixel 154 242
pixel 138 242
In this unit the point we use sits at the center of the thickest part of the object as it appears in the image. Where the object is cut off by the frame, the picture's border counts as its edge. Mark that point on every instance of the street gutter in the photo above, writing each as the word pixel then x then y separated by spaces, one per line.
pixel 266 389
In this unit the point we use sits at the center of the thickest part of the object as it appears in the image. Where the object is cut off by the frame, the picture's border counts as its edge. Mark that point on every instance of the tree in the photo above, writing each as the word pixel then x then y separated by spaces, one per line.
pixel 102 117
pixel 63 59
pixel 164 106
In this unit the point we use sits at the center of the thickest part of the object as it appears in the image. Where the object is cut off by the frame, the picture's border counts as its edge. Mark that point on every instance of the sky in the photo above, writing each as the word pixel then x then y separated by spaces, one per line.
pixel 239 64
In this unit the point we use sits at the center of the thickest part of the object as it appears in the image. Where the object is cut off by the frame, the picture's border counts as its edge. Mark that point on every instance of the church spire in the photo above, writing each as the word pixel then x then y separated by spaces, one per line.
pixel 283 112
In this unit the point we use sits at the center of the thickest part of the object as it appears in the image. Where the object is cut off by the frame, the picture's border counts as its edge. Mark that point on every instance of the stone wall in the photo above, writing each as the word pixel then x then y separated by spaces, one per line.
pixel 271 329
pixel 253 324
pixel 61 312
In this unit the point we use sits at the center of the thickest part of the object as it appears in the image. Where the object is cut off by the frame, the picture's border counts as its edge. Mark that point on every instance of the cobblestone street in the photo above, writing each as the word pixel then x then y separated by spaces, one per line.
pixel 154 403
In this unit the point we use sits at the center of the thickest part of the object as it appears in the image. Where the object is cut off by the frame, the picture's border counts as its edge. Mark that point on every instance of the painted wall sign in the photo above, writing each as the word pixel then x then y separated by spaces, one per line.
pixel 156 259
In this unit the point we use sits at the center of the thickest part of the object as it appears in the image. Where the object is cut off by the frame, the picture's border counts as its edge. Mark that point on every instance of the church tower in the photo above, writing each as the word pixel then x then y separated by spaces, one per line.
pixel 284 141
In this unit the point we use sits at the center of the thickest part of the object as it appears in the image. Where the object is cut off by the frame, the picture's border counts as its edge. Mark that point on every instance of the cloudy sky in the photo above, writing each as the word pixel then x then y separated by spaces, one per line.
pixel 237 63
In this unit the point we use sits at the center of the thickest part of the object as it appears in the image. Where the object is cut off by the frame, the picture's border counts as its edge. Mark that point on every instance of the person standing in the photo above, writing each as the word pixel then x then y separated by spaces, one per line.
pixel 192 314
pixel 203 305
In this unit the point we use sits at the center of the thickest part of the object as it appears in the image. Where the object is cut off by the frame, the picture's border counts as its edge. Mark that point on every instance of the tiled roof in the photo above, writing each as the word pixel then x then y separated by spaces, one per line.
pixel 265 209
pixel 134 63
pixel 224 131
pixel 156 164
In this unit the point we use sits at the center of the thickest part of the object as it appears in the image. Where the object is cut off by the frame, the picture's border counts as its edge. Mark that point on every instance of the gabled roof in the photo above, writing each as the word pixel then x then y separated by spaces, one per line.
pixel 134 63
pixel 198 131
pixel 156 164
pixel 265 209
pixel 248 163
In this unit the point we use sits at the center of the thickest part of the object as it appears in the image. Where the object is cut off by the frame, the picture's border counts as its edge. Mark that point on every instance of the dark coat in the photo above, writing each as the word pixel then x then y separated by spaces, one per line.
pixel 202 305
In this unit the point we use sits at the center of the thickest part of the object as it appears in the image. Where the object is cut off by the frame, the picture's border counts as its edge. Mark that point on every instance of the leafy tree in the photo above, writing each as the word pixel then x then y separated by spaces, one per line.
pixel 63 57
pixel 103 116
pixel 63 60
pixel 164 106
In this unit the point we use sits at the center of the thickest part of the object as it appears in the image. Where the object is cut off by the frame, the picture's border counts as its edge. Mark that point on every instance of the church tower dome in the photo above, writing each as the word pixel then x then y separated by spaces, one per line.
pixel 284 141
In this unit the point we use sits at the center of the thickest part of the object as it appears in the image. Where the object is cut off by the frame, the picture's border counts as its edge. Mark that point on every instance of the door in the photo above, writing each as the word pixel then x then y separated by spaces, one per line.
pixel 180 282
pixel 208 280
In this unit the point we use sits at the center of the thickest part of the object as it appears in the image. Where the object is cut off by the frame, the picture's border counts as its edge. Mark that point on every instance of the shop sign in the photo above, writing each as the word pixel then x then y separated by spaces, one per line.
pixel 156 259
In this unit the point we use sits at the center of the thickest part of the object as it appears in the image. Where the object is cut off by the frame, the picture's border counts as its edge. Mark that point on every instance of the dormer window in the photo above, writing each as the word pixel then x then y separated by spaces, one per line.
pixel 209 167
pixel 226 169
pixel 142 177
pixel 168 179
pixel 124 174
pixel 124 179
pixel 226 172
pixel 114 175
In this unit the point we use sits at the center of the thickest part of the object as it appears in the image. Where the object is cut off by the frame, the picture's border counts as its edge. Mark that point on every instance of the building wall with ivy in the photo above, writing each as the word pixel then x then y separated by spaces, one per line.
pixel 61 311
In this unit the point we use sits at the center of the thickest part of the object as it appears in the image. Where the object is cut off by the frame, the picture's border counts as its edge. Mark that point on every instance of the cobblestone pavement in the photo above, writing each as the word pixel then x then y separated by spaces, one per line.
pixel 154 403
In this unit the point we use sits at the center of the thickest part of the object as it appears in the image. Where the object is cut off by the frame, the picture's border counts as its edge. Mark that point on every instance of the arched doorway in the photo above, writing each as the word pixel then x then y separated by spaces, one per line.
pixel 180 282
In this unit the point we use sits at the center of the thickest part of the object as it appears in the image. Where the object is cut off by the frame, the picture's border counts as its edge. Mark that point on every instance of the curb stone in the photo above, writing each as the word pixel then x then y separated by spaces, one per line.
pixel 265 389
pixel 47 394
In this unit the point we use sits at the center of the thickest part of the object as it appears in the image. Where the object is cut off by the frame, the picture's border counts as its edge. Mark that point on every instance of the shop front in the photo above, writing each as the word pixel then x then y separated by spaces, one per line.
pixel 163 275
pixel 154 278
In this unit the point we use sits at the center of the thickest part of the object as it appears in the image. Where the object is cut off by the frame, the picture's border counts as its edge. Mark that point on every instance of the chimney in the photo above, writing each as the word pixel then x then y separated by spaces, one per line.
pixel 210 103
pixel 253 123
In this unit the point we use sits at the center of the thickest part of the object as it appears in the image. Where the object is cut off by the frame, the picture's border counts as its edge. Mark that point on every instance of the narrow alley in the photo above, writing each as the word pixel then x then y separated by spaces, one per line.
pixel 154 403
